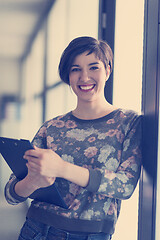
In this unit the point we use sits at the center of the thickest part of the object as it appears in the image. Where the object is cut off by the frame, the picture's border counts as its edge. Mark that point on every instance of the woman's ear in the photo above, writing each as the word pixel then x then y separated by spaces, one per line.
pixel 108 71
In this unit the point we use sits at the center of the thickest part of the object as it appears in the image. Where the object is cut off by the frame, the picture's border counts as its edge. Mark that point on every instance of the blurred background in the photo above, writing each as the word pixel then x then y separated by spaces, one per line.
pixel 33 34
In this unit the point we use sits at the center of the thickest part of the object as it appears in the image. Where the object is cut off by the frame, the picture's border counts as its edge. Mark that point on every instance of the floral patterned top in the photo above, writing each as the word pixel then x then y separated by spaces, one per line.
pixel 110 147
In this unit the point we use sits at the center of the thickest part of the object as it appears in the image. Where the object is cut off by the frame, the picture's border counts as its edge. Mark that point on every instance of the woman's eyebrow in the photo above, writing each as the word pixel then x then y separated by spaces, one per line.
pixel 93 63
pixel 75 65
pixel 90 64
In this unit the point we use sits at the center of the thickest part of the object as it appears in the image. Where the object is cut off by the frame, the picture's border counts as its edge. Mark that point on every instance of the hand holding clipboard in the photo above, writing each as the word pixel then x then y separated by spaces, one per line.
pixel 13 151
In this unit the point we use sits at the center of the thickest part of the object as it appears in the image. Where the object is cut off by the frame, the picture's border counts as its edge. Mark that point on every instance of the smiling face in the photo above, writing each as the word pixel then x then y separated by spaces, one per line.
pixel 87 77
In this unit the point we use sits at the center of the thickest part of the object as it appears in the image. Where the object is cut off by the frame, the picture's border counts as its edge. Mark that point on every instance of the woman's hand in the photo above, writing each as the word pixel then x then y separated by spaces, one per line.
pixel 44 162
pixel 44 165
pixel 43 168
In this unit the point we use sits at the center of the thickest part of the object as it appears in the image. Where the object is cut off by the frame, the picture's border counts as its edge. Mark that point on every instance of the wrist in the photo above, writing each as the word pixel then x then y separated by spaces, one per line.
pixel 25 188
pixel 64 170
pixel 76 174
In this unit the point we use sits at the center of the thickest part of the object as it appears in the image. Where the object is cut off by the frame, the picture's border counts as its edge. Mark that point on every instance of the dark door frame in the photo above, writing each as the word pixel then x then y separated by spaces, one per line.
pixel 106 31
pixel 150 109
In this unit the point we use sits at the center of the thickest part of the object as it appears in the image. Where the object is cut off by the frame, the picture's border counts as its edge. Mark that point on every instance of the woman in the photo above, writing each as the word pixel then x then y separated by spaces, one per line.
pixel 92 154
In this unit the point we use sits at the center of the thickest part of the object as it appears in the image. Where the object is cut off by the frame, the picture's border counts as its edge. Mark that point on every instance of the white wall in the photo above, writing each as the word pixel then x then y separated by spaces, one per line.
pixel 128 55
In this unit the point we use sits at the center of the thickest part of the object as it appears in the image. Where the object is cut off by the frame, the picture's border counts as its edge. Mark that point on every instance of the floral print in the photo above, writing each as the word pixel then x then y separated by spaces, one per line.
pixel 105 152
pixel 80 134
pixel 91 139
pixel 58 123
pixel 90 152
pixel 70 124
pixel 112 164
pixel 110 147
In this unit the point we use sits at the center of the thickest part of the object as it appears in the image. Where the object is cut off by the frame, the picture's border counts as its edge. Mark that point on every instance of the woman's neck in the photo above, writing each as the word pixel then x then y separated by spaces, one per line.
pixel 92 111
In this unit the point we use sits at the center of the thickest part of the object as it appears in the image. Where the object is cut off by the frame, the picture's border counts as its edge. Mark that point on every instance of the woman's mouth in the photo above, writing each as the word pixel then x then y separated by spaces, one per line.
pixel 86 88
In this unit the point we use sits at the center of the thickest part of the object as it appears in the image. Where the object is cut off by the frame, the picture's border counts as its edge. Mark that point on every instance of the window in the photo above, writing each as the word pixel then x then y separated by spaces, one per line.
pixel 33 74
pixel 64 24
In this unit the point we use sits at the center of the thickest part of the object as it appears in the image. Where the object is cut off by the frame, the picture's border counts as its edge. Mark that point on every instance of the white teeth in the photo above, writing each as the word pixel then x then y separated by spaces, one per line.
pixel 86 87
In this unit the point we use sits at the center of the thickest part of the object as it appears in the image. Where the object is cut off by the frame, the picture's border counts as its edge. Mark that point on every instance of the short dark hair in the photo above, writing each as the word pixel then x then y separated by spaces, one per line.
pixel 80 45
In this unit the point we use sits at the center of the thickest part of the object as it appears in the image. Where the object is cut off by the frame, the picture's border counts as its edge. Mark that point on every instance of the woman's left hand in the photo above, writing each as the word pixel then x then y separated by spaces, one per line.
pixel 45 162
pixel 49 164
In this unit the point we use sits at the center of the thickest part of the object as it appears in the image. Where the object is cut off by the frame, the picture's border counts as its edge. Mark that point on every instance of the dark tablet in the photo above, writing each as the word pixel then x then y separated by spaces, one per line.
pixel 12 151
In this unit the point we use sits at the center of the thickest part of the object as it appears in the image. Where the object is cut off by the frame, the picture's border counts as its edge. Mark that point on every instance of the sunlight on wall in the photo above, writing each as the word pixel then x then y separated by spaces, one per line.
pixel 127 90
pixel 128 54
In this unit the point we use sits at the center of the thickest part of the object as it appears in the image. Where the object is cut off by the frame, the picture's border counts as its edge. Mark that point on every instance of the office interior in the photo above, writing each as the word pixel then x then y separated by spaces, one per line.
pixel 33 34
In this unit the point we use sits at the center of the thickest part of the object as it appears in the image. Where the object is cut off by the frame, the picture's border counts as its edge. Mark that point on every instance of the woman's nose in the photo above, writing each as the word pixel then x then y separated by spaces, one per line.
pixel 84 75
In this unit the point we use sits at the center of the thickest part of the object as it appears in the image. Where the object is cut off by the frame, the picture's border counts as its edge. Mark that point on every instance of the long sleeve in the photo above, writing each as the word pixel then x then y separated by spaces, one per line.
pixel 10 195
pixel 119 180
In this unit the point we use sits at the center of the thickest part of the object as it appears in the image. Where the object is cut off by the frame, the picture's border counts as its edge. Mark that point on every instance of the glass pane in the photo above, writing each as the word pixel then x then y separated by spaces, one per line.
pixel 36 64
pixel 34 68
pixel 31 118
pixel 33 74
pixel 66 23
pixel 60 100
pixel 56 39
pixel 82 18
pixel 55 102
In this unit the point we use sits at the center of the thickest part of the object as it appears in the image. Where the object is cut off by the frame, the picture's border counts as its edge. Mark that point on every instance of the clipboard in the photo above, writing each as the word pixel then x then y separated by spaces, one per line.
pixel 12 151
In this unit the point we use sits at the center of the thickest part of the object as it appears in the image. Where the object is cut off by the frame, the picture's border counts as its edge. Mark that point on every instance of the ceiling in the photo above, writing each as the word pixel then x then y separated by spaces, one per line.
pixel 18 20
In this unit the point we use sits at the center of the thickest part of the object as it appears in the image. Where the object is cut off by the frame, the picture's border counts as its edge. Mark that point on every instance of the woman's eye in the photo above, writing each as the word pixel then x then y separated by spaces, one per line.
pixel 94 68
pixel 75 69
